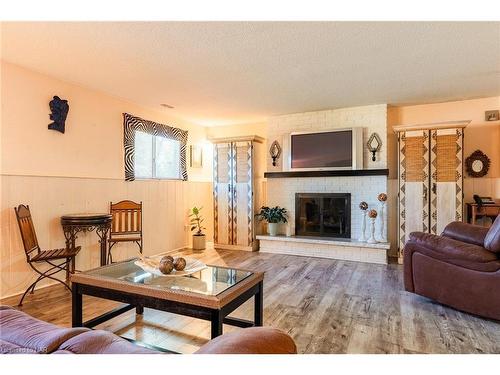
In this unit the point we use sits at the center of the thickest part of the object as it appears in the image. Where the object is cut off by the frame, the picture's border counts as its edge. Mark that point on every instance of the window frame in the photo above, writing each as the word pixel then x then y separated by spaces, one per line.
pixel 132 124
pixel 153 159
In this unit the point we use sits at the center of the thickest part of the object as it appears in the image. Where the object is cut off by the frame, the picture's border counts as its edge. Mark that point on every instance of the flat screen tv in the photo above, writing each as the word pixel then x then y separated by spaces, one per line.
pixel 326 150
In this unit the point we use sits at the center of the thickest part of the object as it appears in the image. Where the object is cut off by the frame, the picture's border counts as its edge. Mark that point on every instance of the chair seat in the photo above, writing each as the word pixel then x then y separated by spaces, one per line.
pixel 55 254
pixel 125 239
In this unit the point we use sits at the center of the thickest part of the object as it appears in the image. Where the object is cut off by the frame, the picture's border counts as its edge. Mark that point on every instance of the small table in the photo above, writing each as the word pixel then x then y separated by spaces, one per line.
pixel 74 223
pixel 211 294
pixel 489 210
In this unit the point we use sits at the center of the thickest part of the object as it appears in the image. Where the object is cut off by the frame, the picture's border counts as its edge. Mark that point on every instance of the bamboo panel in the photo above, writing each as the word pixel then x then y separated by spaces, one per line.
pixel 223 164
pixel 446 150
pixel 242 164
pixel 414 159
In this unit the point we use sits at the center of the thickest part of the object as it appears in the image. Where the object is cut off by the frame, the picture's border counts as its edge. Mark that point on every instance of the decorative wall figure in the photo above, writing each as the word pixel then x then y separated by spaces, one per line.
pixel 373 216
pixel 363 206
pixel 59 109
pixel 275 151
pixel 382 197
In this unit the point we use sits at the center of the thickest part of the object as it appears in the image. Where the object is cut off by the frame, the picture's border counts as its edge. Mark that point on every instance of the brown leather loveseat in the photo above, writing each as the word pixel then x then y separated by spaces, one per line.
pixel 23 334
pixel 460 268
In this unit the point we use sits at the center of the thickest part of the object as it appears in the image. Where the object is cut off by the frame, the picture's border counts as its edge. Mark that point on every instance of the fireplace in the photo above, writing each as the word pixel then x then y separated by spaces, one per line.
pixel 326 215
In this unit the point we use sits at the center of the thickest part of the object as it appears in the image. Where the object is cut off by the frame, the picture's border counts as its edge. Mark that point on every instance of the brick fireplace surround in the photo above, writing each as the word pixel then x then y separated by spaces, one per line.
pixel 281 191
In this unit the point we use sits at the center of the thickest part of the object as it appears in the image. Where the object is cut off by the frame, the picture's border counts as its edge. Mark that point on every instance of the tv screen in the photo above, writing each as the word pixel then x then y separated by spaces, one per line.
pixel 322 150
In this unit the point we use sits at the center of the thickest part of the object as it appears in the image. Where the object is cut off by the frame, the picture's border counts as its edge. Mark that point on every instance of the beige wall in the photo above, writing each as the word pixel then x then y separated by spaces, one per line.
pixel 81 171
pixel 237 130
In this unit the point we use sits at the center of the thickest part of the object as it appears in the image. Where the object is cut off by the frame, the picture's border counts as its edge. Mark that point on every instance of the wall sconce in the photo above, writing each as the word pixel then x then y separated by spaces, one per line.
pixel 374 144
pixel 275 151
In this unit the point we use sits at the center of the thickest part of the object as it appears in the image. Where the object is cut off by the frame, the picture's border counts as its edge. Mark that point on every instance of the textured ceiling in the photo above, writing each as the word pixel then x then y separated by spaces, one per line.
pixel 217 73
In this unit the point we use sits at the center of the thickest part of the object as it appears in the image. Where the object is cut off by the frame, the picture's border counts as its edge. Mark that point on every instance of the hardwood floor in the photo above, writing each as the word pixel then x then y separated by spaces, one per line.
pixel 327 306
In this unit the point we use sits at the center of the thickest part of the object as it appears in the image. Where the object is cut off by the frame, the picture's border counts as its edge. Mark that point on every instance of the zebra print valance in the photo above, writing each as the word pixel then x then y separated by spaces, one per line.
pixel 132 123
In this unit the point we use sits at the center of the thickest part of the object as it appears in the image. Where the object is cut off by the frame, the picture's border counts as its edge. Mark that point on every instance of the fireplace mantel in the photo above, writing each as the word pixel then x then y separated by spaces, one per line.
pixel 340 173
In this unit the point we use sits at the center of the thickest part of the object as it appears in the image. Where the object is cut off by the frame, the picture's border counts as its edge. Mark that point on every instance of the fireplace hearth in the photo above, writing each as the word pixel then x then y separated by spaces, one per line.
pixel 323 214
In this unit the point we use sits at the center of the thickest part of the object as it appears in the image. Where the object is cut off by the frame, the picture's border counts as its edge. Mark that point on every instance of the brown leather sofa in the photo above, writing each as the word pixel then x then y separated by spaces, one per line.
pixel 460 268
pixel 23 334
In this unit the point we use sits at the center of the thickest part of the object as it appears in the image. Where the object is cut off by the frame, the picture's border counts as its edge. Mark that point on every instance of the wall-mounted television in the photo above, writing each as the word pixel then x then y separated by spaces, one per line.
pixel 324 150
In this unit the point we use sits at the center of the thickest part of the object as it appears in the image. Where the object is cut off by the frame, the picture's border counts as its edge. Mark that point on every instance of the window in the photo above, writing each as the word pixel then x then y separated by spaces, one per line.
pixel 153 150
pixel 156 156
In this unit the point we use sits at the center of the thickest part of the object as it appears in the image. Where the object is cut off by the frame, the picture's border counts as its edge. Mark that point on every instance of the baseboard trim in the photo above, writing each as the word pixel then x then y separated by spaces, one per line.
pixel 52 283
pixel 234 247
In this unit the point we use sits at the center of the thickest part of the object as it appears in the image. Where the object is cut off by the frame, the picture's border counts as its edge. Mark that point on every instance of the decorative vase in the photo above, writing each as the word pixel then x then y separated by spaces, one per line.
pixel 363 227
pixel 272 229
pixel 372 236
pixel 382 223
pixel 363 206
pixel 373 216
pixel 199 242
pixel 382 197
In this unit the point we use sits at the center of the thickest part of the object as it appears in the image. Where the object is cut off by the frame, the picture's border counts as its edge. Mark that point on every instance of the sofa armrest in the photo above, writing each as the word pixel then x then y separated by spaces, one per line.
pixel 254 340
pixel 473 234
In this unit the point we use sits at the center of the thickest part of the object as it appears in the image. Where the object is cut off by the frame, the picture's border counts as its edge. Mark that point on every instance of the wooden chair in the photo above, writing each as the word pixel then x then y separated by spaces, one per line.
pixel 126 225
pixel 35 256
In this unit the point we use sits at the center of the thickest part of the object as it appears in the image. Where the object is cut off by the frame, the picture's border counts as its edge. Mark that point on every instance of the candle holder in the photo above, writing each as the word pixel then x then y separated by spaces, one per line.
pixel 382 197
pixel 373 216
pixel 363 207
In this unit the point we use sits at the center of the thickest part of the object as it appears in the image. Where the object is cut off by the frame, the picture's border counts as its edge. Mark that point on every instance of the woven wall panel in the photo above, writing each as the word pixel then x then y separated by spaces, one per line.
pixel 414 159
pixel 223 164
pixel 446 151
pixel 242 164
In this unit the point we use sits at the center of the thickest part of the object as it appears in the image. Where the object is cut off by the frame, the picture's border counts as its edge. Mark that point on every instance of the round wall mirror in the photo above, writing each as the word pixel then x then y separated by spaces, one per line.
pixel 477 164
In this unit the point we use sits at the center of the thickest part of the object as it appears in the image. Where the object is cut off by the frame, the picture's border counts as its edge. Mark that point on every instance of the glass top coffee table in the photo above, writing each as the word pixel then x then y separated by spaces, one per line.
pixel 210 294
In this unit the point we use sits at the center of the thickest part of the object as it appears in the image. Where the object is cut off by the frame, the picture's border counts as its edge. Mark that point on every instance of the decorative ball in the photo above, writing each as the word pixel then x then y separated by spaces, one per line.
pixel 382 197
pixel 363 205
pixel 179 264
pixel 372 213
pixel 167 258
pixel 166 267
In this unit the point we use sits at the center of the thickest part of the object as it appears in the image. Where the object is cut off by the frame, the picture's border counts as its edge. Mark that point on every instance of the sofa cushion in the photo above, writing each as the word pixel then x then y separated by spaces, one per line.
pixel 464 232
pixel 254 340
pixel 492 239
pixel 453 249
pixel 20 329
pixel 10 348
pixel 102 342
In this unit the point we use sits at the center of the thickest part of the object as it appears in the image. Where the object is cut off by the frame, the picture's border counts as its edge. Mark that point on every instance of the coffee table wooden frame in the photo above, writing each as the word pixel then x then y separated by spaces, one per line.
pixel 196 305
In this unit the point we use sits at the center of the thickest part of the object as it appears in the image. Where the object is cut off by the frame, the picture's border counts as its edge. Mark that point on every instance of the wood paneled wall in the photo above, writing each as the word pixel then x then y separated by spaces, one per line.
pixel 165 208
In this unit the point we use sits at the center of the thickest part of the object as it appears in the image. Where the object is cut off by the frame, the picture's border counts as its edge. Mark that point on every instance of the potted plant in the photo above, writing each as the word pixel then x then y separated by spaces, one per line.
pixel 273 216
pixel 199 238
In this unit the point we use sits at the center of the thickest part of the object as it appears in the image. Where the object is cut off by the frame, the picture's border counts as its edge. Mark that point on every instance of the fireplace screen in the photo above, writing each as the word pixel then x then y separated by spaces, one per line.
pixel 327 215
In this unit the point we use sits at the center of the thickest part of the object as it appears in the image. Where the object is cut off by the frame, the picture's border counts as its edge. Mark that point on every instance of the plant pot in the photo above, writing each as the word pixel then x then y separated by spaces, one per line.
pixel 199 242
pixel 272 229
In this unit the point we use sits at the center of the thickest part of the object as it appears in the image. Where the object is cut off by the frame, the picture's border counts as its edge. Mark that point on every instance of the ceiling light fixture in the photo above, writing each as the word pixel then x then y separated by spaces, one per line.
pixel 167 105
